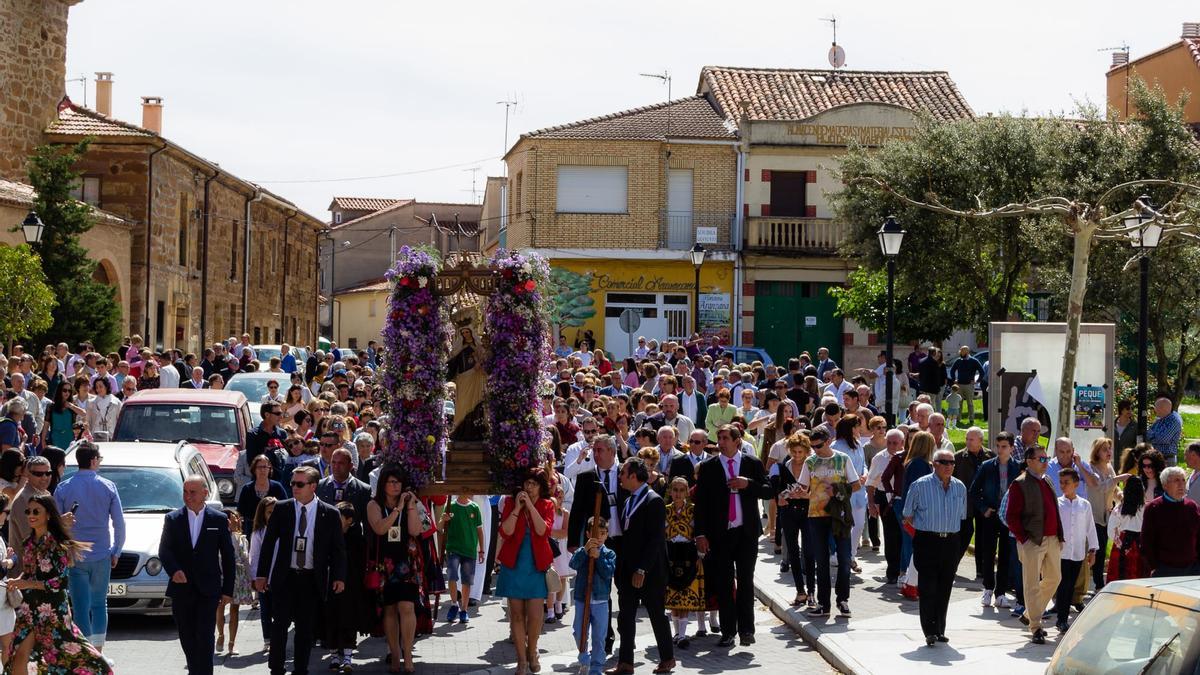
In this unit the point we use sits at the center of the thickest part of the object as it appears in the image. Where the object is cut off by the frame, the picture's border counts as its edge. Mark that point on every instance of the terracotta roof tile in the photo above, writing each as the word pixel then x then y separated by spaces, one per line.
pixel 785 94
pixel 363 203
pixel 77 120
pixel 1193 45
pixel 692 117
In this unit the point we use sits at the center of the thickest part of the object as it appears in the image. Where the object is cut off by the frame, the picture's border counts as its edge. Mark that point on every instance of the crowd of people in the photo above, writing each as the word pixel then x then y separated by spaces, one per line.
pixel 690 457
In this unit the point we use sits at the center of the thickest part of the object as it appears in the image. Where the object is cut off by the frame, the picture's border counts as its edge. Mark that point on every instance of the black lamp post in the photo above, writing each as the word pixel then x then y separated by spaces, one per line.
pixel 890 238
pixel 697 254
pixel 32 228
pixel 1145 238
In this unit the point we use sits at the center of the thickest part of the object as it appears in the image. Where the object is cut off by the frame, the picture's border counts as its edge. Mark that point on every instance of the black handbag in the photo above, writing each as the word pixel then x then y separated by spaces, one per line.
pixel 681 564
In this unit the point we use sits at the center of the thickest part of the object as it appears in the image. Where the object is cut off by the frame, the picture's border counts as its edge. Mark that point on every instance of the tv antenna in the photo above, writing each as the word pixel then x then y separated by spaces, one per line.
pixel 508 106
pixel 837 55
pixel 474 172
pixel 665 77
pixel 82 80
pixel 1123 49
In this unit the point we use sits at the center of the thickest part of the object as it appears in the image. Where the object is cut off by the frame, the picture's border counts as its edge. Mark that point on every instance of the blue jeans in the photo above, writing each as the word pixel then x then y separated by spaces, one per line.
pixel 598 627
pixel 821 532
pixel 905 539
pixel 89 597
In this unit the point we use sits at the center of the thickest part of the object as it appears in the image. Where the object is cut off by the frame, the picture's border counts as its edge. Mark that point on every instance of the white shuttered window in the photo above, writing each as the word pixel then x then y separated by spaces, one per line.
pixel 593 189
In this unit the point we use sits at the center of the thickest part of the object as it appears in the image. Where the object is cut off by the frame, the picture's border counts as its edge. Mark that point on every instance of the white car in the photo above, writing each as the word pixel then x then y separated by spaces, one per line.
pixel 254 387
pixel 149 478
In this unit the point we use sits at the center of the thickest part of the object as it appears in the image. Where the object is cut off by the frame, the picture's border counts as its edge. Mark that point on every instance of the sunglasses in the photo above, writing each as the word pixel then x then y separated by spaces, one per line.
pixel 300 483
pixel 33 512
pixel 944 462
pixel 1043 459
pixel 329 445
pixel 39 474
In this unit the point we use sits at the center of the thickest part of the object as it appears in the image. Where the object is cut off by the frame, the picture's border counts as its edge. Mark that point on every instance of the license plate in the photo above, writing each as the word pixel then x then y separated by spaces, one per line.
pixel 116 589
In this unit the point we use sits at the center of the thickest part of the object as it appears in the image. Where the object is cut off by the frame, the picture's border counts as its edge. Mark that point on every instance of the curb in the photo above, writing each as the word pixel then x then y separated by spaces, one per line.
pixel 835 655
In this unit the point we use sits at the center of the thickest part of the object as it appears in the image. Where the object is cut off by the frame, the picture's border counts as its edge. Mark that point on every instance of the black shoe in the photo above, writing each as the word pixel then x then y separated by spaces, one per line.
pixel 1024 621
pixel 726 641
pixel 716 630
pixel 942 638
pixel 929 640
pixel 1062 627
pixel 701 633
pixel 683 643
pixel 747 639
pixel 1039 637
pixel 1078 606
pixel 784 568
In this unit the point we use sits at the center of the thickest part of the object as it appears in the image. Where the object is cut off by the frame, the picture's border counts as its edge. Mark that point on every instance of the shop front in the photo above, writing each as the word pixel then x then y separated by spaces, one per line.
pixel 616 301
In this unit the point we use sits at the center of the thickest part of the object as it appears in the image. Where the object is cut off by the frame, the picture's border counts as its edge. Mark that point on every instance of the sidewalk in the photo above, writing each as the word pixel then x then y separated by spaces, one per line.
pixel 884 633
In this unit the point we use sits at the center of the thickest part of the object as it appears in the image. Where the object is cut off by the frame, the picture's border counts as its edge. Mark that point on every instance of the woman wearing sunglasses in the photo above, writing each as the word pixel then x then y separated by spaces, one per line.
pixel 49 639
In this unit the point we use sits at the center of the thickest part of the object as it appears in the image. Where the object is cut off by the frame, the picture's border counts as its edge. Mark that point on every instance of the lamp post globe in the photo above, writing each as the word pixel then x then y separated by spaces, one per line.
pixel 32 228
pixel 697 254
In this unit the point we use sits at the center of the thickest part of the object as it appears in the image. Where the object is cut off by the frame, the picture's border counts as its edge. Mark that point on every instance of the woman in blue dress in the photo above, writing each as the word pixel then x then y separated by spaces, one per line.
pixel 526 523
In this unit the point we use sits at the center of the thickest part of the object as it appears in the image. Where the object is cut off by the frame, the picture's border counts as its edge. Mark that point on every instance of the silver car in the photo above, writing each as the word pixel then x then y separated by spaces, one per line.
pixel 149 478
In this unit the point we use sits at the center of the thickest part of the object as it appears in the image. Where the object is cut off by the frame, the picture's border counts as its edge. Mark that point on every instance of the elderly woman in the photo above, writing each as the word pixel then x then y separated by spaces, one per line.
pixel 526 522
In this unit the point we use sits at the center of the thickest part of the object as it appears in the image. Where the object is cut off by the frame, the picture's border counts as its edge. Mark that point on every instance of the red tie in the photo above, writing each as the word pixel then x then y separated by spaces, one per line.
pixel 732 496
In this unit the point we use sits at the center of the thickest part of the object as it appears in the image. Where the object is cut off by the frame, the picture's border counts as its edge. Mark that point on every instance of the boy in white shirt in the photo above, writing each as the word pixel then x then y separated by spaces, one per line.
pixel 1079 541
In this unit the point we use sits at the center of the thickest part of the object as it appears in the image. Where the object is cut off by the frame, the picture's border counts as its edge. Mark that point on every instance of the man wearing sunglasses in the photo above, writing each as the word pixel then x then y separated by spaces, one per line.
pixel 257 440
pixel 1032 516
pixel 935 506
pixel 37 471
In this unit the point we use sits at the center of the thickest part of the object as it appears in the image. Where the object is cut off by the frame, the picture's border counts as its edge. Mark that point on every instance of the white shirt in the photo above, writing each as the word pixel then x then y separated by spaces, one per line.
pixel 878 465
pixel 1118 523
pixel 1079 530
pixel 641 352
pixel 102 416
pixel 572 453
pixel 195 521
pixel 310 526
pixel 748 449
pixel 733 473
pixel 614 523
pixel 880 390
pixel 836 390
pixel 584 357
pixel 687 405
pixel 683 425
pixel 168 377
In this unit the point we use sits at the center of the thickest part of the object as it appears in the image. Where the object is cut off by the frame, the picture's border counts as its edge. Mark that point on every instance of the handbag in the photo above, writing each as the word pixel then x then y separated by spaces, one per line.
pixel 553 581
pixel 681 562
pixel 555 549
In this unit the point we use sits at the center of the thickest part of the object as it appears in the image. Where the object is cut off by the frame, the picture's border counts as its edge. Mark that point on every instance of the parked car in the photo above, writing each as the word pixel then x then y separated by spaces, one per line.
pixel 744 354
pixel 254 387
pixel 266 352
pixel 981 356
pixel 1135 626
pixel 215 422
pixel 149 478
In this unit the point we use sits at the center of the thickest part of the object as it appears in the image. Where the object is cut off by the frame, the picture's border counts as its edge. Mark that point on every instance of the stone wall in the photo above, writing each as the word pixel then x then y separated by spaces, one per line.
pixel 33 52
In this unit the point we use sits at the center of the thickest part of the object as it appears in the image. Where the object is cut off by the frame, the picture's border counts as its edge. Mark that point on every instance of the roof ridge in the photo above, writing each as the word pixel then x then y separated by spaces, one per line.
pixel 616 115
pixel 88 112
pixel 826 71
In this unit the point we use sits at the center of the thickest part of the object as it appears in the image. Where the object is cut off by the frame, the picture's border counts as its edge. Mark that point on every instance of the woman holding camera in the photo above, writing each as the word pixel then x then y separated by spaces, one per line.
pixel 397 519
pixel 526 523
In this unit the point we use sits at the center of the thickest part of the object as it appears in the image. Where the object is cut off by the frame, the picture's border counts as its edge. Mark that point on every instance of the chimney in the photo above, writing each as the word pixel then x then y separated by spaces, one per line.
pixel 104 94
pixel 1120 59
pixel 152 113
pixel 1191 30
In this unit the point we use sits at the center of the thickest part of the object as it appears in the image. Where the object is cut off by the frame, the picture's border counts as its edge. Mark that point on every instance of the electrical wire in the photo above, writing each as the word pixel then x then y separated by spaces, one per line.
pixel 384 175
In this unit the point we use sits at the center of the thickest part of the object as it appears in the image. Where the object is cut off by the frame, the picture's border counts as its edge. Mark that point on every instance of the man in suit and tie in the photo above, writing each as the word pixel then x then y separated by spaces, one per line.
pixel 687 464
pixel 310 560
pixel 341 486
pixel 601 476
pixel 692 402
pixel 197 381
pixel 728 526
pixel 641 575
pixel 192 539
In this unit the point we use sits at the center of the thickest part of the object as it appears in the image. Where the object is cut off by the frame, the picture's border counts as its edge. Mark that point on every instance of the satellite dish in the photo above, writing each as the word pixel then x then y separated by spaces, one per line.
pixel 837 56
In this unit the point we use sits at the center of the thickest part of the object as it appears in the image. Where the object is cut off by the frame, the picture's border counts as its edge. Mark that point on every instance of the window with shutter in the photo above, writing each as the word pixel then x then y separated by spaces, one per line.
pixel 592 189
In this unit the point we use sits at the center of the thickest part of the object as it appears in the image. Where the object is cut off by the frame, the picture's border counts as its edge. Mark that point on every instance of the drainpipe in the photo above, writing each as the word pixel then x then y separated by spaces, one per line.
pixel 737 247
pixel 150 234
pixel 258 196
pixel 283 287
pixel 204 262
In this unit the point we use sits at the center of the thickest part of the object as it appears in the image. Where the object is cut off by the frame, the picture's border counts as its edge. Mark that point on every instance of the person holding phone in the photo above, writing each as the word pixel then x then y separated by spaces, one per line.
pixel 526 523
pixel 396 517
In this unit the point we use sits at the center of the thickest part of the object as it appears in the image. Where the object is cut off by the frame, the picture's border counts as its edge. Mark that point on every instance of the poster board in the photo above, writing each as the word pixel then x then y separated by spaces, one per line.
pixel 1025 372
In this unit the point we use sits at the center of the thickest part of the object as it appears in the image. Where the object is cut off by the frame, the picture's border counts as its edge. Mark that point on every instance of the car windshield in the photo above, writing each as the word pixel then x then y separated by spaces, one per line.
pixel 172 422
pixel 1119 635
pixel 144 489
pixel 265 354
pixel 254 387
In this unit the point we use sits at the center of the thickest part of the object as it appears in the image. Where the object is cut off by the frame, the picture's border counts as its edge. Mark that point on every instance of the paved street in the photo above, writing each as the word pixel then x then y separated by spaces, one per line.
pixel 148 645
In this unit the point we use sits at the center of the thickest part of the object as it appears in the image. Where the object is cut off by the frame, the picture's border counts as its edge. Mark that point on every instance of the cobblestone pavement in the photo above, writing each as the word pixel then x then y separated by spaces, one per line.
pixel 148 644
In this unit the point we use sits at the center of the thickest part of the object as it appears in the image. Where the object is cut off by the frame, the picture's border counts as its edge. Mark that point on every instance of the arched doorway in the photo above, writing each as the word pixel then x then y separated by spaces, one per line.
pixel 106 273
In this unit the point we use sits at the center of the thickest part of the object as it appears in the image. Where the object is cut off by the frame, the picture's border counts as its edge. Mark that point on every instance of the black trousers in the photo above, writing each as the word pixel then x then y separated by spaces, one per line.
pixel 891 542
pixel 1098 566
pixel 1066 588
pixel 651 596
pixel 196 619
pixel 491 552
pixel 970 528
pixel 936 558
pixel 798 549
pixel 295 599
pixel 992 537
pixel 873 529
pixel 731 557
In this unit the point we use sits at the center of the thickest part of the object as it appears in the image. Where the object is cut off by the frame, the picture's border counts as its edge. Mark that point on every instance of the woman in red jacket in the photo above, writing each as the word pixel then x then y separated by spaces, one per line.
pixel 525 555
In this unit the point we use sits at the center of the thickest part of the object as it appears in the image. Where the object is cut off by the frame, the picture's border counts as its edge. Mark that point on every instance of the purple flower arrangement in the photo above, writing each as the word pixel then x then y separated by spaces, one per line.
pixel 519 347
pixel 416 336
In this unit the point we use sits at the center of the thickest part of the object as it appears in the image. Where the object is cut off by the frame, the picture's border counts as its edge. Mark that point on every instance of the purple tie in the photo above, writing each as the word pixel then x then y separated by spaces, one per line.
pixel 732 496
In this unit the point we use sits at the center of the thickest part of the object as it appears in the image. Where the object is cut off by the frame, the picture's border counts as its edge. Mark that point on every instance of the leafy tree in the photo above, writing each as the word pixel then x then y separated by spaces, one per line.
pixel 28 301
pixel 87 309
pixel 923 311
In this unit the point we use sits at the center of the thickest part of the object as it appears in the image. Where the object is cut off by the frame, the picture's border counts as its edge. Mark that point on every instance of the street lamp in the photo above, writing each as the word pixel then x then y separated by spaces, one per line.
pixel 1144 235
pixel 32 228
pixel 697 254
pixel 890 237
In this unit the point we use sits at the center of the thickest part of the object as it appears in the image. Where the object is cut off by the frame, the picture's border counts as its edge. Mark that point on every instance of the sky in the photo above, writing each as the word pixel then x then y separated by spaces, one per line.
pixel 299 95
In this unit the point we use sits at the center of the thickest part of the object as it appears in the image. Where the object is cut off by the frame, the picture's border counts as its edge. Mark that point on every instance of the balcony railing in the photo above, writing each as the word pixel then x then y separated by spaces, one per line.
pixel 680 230
pixel 812 236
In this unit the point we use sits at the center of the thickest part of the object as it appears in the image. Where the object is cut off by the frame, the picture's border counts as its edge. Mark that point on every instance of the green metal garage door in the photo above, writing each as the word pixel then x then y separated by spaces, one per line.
pixel 795 316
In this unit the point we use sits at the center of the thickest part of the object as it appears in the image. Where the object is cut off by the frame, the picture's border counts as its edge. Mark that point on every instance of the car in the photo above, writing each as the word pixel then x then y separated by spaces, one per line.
pixel 1135 626
pixel 746 354
pixel 149 479
pixel 254 387
pixel 266 352
pixel 981 356
pixel 215 421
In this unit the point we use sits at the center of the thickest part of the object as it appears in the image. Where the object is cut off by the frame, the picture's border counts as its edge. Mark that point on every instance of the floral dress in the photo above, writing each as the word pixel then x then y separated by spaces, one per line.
pixel 243 593
pixel 58 646
pixel 685 583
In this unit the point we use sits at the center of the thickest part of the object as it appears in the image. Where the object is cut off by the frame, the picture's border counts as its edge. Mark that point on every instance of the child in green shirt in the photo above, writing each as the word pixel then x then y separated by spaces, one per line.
pixel 462 526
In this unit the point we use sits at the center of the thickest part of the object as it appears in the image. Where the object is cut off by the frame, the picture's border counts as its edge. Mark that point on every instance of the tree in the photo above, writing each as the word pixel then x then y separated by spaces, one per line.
pixel 923 311
pixel 87 309
pixel 1082 177
pixel 28 301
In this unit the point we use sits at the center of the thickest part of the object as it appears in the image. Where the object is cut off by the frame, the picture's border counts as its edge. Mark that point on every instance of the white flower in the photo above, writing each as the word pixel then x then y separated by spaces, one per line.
pixel 422 281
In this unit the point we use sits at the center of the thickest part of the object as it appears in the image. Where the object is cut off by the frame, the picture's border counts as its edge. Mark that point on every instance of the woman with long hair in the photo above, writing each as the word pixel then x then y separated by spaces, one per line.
pixel 44 632
pixel 48 371
pixel 293 401
pixel 1125 532
pixel 149 379
pixel 601 362
pixel 397 518
pixel 1151 466
pixel 629 374
pixel 917 463
pixel 1102 493
pixel 262 486
pixel 845 440
pixel 526 524
pixel 102 410
pixel 793 518
pixel 258 530
pixel 60 419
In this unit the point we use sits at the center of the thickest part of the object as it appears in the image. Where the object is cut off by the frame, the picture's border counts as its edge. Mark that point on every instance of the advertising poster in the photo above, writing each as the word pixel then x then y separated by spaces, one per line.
pixel 714 315
pixel 1089 407
pixel 1021 396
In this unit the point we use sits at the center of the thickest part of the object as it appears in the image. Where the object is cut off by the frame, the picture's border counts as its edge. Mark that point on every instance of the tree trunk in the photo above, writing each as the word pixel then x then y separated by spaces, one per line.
pixel 1079 274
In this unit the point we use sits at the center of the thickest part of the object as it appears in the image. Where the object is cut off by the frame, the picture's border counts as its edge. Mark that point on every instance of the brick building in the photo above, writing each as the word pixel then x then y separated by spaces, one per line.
pixel 616 203
pixel 1175 67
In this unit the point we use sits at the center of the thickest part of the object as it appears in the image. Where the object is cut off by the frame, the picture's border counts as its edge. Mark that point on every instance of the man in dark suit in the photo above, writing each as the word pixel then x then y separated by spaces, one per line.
pixel 686 465
pixel 341 486
pixel 728 526
pixel 192 539
pixel 310 560
pixel 641 576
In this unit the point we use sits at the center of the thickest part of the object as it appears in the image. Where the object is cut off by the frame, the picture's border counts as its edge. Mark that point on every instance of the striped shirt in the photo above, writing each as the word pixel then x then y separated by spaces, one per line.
pixel 934 508
pixel 1164 435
